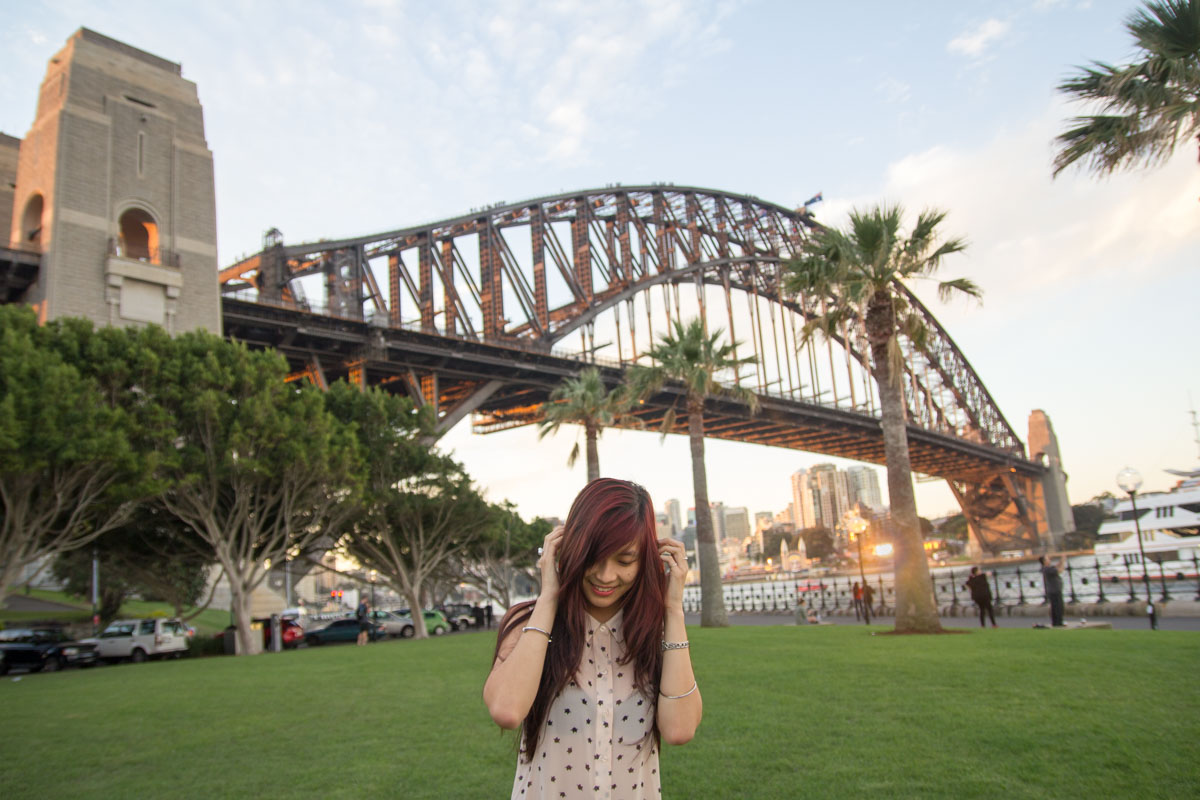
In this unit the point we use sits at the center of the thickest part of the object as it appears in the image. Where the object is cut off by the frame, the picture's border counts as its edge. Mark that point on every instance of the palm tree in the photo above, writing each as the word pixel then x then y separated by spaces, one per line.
pixel 1150 105
pixel 586 401
pixel 688 355
pixel 862 266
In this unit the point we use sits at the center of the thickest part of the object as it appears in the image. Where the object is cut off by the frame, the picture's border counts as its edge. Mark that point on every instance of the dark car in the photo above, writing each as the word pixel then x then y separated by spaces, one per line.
pixel 341 630
pixel 43 650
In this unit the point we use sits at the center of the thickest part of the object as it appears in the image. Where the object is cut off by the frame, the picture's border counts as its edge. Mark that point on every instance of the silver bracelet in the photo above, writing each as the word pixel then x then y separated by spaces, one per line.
pixel 549 638
pixel 675 645
pixel 677 696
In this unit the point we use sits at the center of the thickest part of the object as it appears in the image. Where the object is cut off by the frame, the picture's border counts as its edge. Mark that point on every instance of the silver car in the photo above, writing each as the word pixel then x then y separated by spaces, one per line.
pixel 393 625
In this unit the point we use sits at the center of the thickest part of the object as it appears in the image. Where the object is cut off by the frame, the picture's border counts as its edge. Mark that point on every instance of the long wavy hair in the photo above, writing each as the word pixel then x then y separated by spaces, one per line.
pixel 606 517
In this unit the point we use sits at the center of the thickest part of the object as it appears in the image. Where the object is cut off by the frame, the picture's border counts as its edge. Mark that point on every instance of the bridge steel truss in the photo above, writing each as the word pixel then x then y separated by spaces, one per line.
pixel 472 315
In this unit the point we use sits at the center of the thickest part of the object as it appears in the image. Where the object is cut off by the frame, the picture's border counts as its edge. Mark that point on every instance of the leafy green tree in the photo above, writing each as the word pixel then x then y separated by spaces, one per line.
pixel 586 401
pixel 1088 518
pixel 74 570
pixel 954 527
pixel 68 472
pixel 818 542
pixel 154 555
pixel 258 467
pixel 688 355
pixel 773 536
pixel 863 266
pixel 504 556
pixel 1150 105
pixel 419 511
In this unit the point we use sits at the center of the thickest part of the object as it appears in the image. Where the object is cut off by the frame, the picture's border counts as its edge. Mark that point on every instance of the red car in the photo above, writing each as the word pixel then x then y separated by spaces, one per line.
pixel 290 633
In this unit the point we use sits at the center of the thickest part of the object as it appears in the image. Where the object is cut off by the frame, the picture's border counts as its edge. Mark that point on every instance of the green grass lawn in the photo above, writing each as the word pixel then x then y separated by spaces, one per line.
pixel 207 622
pixel 804 712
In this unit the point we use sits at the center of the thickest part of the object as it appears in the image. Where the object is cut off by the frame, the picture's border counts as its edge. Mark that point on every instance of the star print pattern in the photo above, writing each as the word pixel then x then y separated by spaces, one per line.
pixel 612 754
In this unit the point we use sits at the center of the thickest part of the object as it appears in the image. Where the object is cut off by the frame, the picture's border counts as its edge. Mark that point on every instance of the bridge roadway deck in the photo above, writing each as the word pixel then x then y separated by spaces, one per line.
pixel 398 357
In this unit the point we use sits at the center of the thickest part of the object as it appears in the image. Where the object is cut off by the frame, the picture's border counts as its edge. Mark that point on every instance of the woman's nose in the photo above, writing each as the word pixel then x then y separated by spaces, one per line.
pixel 606 573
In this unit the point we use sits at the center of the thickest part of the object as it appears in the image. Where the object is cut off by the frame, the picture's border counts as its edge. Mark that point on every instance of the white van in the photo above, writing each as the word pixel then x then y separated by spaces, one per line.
pixel 141 639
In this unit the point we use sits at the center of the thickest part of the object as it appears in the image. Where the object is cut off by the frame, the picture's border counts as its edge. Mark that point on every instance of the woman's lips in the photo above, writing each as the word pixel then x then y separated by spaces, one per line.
pixel 603 591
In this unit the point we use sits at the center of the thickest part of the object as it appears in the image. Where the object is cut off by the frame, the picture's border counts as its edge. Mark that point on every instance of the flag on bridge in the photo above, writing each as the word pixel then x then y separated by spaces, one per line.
pixel 816 198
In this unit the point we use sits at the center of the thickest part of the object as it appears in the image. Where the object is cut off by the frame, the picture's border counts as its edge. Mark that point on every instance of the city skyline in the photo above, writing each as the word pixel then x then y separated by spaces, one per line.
pixel 1087 283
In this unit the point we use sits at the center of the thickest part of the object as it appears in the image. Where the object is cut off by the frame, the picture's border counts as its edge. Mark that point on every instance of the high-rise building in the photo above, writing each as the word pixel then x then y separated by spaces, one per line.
pixel 673 515
pixel 803 507
pixel 863 483
pixel 737 523
pixel 763 520
pixel 831 496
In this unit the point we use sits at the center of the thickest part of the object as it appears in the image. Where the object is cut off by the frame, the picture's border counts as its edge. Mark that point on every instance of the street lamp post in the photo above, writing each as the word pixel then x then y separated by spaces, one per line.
pixel 1130 480
pixel 858 526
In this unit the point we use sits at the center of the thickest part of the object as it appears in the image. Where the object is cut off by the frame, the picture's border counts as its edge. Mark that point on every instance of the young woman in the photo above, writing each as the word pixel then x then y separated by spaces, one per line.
pixel 597 671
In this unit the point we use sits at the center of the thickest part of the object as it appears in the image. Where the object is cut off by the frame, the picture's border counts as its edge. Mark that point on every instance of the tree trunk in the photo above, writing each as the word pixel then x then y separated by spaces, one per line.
pixel 916 611
pixel 240 601
pixel 416 612
pixel 593 454
pixel 712 601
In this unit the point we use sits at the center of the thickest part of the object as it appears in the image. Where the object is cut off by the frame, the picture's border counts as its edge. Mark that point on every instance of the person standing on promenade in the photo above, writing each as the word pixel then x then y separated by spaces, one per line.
pixel 981 593
pixel 1052 581
pixel 363 615
pixel 597 670
pixel 868 598
pixel 857 594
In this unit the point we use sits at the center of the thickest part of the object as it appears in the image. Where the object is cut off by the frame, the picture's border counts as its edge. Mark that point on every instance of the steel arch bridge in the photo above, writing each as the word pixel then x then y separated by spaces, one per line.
pixel 485 313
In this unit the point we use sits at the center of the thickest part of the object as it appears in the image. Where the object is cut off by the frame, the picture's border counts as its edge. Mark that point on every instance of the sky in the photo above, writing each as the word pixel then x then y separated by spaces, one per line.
pixel 329 120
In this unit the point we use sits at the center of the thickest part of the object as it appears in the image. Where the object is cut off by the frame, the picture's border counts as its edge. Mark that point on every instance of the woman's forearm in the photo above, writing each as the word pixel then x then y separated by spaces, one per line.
pixel 678 716
pixel 513 683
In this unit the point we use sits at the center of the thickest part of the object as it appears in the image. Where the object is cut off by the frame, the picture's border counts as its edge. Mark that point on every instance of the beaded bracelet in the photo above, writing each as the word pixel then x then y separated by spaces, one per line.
pixel 678 696
pixel 675 645
pixel 549 638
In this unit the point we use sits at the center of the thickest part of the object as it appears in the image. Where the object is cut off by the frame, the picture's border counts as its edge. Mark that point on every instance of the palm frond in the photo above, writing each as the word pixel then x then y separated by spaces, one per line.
pixel 573 456
pixel 668 423
pixel 947 289
pixel 1145 108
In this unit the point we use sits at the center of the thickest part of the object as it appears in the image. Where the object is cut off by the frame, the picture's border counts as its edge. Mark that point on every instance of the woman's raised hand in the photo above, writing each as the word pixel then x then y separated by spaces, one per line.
pixel 548 563
pixel 674 559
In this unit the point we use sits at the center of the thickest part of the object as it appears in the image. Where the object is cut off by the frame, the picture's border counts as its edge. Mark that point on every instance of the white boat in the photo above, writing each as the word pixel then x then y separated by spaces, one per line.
pixel 1170 526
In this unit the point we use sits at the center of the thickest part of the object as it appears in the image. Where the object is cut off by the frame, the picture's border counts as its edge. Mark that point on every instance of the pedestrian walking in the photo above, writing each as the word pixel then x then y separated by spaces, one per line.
pixel 981 593
pixel 597 670
pixel 857 594
pixel 868 599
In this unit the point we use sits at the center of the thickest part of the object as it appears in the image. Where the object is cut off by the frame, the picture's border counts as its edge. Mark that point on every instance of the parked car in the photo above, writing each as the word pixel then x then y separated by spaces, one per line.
pixel 341 630
pixel 43 650
pixel 436 623
pixel 460 615
pixel 393 624
pixel 142 639
pixel 290 633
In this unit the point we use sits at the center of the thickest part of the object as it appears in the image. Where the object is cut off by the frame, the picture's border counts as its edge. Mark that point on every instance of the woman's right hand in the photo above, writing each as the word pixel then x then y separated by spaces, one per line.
pixel 548 563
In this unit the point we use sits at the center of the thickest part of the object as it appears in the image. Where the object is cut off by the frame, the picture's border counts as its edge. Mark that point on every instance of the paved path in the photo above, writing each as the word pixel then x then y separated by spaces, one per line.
pixel 20 602
pixel 1118 623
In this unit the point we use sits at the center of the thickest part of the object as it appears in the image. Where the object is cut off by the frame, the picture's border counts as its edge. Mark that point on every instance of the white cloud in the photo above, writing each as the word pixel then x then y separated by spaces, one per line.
pixel 973 43
pixel 894 91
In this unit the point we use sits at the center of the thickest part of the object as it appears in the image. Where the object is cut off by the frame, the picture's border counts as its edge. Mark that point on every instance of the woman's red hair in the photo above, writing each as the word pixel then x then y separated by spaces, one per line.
pixel 606 517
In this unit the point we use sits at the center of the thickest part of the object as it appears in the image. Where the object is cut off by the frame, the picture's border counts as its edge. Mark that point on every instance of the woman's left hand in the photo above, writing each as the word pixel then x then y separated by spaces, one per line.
pixel 674 559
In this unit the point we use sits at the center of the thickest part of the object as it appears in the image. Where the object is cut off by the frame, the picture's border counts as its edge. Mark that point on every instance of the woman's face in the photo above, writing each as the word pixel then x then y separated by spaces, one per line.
pixel 606 582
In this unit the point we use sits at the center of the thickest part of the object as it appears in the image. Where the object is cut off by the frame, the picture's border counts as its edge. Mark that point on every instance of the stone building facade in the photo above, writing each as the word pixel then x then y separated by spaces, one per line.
pixel 114 185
